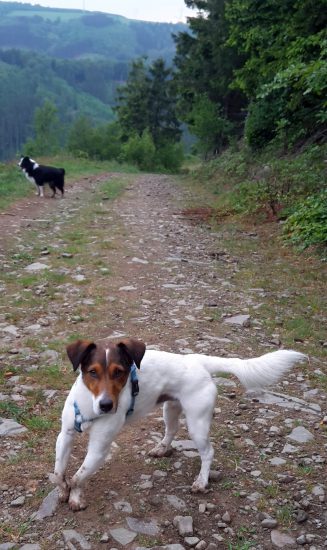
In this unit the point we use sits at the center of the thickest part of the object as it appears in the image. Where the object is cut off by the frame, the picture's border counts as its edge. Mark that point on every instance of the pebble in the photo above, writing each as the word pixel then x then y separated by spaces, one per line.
pixel 184 525
pixel 269 523
pixel 191 541
pixel 70 535
pixel 19 501
pixel 280 540
pixel 300 435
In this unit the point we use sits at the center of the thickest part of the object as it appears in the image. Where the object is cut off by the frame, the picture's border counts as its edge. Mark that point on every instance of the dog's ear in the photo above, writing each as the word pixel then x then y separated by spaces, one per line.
pixel 78 351
pixel 134 349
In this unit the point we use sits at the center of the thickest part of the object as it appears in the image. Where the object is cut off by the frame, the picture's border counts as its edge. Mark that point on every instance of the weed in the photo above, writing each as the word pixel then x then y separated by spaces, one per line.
pixel 38 423
pixel 12 410
pixel 163 464
pixel 226 485
pixel 272 491
pixel 285 515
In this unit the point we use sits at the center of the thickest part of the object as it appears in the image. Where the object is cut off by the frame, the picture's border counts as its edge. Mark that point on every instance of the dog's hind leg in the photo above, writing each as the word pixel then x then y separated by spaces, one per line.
pixel 53 189
pixel 198 414
pixel 171 413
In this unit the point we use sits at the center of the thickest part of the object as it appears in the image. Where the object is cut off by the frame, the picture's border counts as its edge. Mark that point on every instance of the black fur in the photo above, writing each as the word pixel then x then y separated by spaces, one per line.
pixel 41 174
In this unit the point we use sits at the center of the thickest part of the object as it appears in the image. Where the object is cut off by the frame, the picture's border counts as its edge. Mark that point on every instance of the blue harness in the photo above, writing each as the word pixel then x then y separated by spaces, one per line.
pixel 80 419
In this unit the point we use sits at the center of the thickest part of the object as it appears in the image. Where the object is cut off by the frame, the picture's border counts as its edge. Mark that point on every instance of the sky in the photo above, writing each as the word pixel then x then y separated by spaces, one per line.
pixel 171 11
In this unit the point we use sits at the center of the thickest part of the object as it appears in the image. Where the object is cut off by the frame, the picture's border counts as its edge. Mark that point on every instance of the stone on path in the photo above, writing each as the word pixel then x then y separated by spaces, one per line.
pixel 184 525
pixel 267 397
pixel 276 461
pixel 300 435
pixel 71 536
pixel 122 535
pixel 48 506
pixel 10 427
pixel 144 527
pixel 166 547
pixel 240 320
pixel 176 502
pixel 37 266
pixel 280 540
pixel 123 506
pixel 10 329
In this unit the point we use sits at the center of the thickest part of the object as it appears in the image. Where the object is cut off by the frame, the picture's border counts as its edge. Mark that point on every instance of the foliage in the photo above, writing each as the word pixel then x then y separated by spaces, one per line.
pixel 209 126
pixel 170 157
pixel 47 128
pixel 307 225
pixel 139 150
pixel 285 68
pixel 264 183
pixel 148 102
pixel 205 70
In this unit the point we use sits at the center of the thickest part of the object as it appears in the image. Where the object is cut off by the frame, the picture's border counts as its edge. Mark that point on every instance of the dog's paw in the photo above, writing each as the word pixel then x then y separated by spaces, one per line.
pixel 62 486
pixel 199 486
pixel 76 501
pixel 160 451
pixel 77 505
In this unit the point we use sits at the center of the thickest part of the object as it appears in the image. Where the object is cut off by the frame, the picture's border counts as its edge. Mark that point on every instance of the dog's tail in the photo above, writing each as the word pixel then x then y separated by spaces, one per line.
pixel 255 373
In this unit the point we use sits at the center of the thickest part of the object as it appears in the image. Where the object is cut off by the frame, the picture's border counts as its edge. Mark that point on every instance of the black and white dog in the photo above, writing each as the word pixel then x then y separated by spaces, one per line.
pixel 40 174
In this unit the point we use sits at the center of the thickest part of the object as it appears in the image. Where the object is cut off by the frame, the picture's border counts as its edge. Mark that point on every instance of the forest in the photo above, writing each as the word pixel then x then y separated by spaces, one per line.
pixel 71 58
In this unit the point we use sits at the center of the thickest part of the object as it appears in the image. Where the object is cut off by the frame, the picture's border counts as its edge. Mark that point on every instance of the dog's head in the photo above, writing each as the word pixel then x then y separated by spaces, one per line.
pixel 26 163
pixel 105 370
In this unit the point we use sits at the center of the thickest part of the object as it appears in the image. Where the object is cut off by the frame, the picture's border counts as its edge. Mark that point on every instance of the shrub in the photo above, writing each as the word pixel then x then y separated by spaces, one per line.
pixel 139 150
pixel 170 156
pixel 307 225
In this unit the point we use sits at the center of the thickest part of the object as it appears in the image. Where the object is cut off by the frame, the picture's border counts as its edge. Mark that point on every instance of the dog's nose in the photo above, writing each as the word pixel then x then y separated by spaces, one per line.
pixel 105 405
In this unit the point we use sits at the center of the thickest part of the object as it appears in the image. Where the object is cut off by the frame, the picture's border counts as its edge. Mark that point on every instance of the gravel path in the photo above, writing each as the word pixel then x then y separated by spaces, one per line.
pixel 139 265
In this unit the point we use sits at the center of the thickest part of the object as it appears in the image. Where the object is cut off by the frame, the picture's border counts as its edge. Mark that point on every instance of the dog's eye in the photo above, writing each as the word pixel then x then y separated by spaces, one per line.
pixel 93 373
pixel 117 373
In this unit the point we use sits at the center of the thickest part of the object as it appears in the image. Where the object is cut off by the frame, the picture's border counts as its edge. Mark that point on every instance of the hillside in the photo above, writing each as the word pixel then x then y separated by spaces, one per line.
pixel 74 34
pixel 73 58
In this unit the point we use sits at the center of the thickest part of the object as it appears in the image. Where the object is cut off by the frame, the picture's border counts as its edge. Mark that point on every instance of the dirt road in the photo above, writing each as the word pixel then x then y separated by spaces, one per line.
pixel 145 262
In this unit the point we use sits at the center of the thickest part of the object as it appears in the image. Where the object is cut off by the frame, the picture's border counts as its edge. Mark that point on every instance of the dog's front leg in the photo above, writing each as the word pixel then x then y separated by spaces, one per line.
pixel 99 444
pixel 63 450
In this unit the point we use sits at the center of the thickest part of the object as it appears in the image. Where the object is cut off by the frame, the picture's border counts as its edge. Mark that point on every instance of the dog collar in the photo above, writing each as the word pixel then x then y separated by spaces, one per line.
pixel 135 389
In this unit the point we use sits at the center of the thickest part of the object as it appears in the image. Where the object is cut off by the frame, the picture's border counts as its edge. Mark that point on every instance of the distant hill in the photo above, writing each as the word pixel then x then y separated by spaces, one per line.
pixel 74 34
pixel 74 58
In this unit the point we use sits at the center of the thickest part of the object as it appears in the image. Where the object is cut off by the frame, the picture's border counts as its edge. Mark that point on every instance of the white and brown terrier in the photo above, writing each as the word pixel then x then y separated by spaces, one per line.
pixel 104 398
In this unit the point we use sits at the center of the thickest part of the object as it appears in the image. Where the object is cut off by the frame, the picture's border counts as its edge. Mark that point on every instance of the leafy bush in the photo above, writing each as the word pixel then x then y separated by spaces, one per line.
pixel 307 225
pixel 139 150
pixel 261 122
pixel 170 156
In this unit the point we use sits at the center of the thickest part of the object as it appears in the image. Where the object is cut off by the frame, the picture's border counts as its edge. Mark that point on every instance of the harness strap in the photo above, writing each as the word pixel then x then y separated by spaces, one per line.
pixel 135 389
pixel 79 420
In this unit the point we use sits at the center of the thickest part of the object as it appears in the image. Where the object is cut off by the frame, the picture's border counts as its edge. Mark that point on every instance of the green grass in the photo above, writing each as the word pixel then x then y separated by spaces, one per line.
pixel 285 515
pixel 14 185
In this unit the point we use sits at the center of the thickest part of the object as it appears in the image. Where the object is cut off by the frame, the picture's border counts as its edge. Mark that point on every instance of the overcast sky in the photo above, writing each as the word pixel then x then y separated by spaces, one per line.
pixel 148 10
